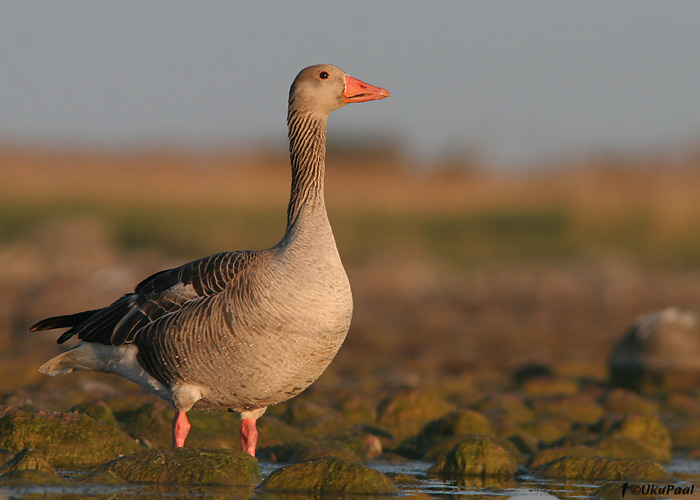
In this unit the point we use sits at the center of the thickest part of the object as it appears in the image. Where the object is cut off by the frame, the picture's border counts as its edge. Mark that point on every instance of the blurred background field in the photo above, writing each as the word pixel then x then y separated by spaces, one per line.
pixel 459 271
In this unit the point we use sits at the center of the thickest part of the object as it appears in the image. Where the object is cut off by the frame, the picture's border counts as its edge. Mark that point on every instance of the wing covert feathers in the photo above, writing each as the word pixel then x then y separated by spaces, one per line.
pixel 161 294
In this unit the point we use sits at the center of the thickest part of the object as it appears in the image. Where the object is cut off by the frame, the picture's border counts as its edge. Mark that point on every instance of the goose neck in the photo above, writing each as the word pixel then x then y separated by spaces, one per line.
pixel 307 151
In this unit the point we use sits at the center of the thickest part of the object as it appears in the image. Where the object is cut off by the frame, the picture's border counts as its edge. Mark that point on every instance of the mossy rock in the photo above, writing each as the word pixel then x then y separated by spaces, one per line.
pixel 309 449
pixel 273 431
pixel 24 477
pixel 101 477
pixel 442 447
pixel 682 405
pixel 406 411
pixel 313 418
pixel 28 459
pixel 685 435
pixel 357 410
pixel 547 430
pixel 98 410
pixel 550 454
pixel 151 424
pixel 5 456
pixel 455 423
pixel 623 402
pixel 650 432
pixel 185 466
pixel 476 456
pixel 506 407
pixel 581 409
pixel 597 468
pixel 616 445
pixel 69 440
pixel 365 443
pixel 550 386
pixel 329 476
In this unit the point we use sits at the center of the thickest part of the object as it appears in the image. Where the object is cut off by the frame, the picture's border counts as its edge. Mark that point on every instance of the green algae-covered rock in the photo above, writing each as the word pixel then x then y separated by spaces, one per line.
pixel 406 411
pixel 506 407
pixel 314 418
pixel 273 431
pixel 28 459
pixel 185 466
pixel 455 423
pixel 623 401
pixel 542 457
pixel 305 450
pixel 476 456
pixel 151 424
pixel 579 409
pixel 602 469
pixel 329 476
pixel 357 410
pixel 685 435
pixel 98 410
pixel 32 477
pixel 547 430
pixel 550 386
pixel 649 431
pixel 365 441
pixel 101 477
pixel 5 456
pixel 69 440
pixel 618 445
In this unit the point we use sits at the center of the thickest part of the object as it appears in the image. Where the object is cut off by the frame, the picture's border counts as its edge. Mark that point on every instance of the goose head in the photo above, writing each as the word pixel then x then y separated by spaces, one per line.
pixel 323 88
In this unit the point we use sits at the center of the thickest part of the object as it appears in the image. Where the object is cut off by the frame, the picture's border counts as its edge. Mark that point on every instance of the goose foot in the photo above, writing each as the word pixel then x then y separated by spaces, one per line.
pixel 249 435
pixel 181 427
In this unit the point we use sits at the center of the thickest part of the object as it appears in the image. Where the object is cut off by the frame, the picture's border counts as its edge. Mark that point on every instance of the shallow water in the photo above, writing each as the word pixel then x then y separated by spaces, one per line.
pixel 685 472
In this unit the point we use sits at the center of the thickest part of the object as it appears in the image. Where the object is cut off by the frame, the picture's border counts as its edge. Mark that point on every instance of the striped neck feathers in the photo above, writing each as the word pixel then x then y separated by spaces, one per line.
pixel 307 152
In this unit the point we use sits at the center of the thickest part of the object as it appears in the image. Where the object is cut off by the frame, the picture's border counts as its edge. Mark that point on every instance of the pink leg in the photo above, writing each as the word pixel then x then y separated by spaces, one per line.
pixel 249 435
pixel 181 426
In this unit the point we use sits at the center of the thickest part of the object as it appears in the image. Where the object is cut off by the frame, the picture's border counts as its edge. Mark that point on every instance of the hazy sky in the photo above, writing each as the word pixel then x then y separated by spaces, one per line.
pixel 518 80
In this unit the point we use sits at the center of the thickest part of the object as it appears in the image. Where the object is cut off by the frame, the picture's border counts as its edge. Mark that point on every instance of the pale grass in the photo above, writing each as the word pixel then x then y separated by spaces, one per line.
pixel 656 205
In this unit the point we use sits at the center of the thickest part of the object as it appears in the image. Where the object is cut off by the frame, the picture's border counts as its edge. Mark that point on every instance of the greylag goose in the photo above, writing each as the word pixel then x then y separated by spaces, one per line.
pixel 237 331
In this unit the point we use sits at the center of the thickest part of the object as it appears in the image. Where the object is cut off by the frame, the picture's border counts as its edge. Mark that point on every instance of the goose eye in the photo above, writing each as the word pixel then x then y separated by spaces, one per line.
pixel 324 75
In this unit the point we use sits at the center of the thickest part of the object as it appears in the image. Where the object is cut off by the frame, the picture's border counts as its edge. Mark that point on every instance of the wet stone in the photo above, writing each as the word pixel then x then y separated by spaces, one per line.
pixel 329 476
pixel 98 410
pixel 455 423
pixel 660 352
pixel 357 410
pixel 406 411
pixel 550 454
pixel 581 409
pixel 550 386
pixel 649 432
pixel 151 424
pixel 185 466
pixel 309 449
pixel 623 401
pixel 548 430
pixel 476 456
pixel 506 407
pixel 68 440
pixel 32 477
pixel 28 459
pixel 314 419
pixel 602 469
pixel 273 431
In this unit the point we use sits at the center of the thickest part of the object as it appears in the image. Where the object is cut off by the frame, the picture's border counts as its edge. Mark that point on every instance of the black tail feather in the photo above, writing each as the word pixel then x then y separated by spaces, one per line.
pixel 67 321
